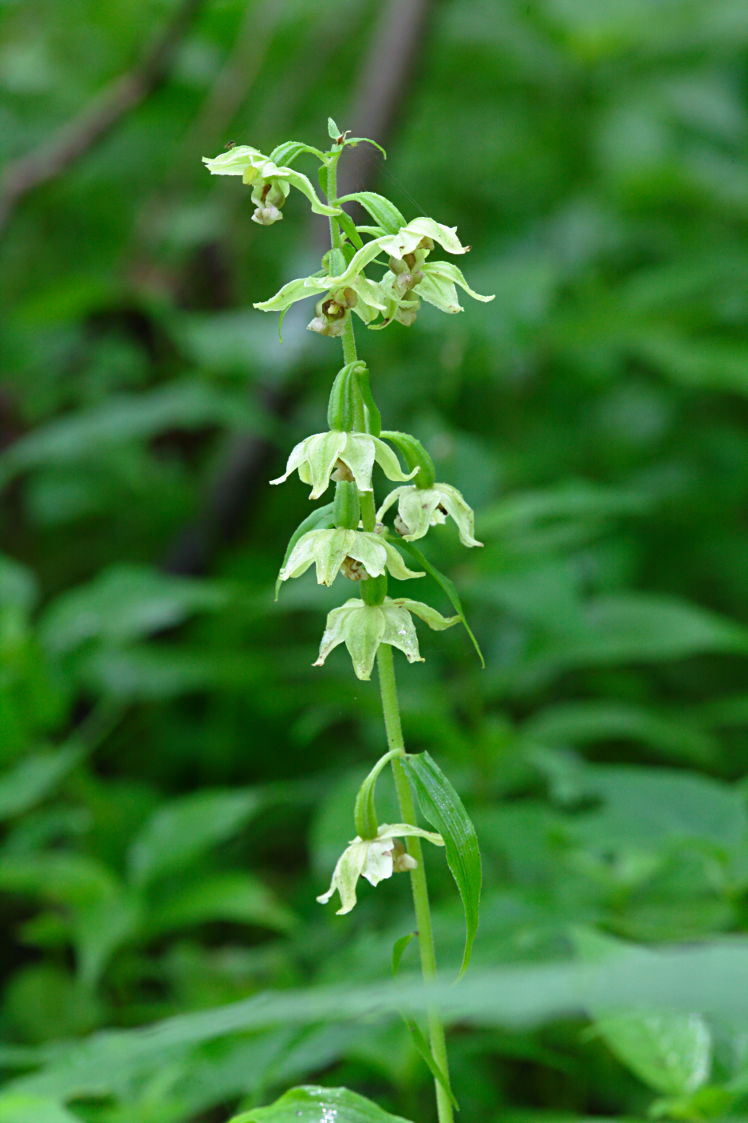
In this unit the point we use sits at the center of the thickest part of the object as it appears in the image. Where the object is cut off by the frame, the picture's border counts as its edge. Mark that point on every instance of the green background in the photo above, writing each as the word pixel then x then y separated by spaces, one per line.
pixel 177 779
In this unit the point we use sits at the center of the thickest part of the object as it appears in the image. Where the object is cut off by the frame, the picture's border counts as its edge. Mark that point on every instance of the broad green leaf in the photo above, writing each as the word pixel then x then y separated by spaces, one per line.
pixel 670 1051
pixel 17 586
pixel 447 586
pixel 661 806
pixel 708 977
pixel 99 915
pixel 584 722
pixel 190 404
pixel 185 828
pixel 444 810
pixel 385 214
pixel 18 1108
pixel 319 519
pixel 32 778
pixel 236 897
pixel 124 603
pixel 312 1104
pixel 332 129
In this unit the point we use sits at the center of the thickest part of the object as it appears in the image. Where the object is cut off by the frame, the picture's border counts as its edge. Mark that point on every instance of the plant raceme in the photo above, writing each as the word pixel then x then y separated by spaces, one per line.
pixel 380 272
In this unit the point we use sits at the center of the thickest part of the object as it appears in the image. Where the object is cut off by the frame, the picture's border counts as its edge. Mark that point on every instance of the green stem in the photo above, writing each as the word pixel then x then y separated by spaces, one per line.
pixel 336 241
pixel 393 727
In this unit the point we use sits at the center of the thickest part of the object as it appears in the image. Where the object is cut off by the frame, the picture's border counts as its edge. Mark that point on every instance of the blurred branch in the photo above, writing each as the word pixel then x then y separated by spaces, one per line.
pixel 385 77
pixel 387 71
pixel 97 120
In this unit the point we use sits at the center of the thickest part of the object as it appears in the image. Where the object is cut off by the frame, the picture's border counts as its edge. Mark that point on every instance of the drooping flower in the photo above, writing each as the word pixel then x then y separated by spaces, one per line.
pixel 363 627
pixel 329 549
pixel 419 508
pixel 270 182
pixel 395 296
pixel 317 457
pixel 375 859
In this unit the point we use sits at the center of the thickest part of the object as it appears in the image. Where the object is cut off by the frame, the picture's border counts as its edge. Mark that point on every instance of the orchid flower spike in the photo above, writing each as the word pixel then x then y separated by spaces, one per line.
pixel 375 859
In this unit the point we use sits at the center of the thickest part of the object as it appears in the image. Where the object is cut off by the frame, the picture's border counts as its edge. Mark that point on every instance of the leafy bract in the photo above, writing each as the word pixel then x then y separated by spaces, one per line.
pixel 443 808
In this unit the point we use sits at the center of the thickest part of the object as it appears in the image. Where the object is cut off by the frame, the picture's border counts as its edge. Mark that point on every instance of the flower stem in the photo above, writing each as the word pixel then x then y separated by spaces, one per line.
pixel 393 727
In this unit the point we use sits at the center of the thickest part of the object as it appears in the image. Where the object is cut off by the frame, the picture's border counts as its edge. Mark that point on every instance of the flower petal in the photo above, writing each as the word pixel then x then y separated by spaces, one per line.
pixel 404 830
pixel 400 631
pixel 454 503
pixel 397 566
pixel 363 636
pixel 388 462
pixel 428 614
pixel 379 860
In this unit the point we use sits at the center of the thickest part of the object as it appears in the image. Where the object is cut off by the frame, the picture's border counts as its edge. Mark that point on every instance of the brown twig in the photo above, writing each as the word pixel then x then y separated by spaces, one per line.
pixel 97 119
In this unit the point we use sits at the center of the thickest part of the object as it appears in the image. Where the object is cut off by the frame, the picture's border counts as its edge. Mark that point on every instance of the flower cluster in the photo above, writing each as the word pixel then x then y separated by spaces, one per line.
pixel 397 294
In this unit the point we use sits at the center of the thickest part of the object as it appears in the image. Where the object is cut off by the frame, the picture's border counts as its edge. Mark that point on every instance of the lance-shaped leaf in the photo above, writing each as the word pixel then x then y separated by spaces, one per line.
pixel 386 215
pixel 448 587
pixel 444 810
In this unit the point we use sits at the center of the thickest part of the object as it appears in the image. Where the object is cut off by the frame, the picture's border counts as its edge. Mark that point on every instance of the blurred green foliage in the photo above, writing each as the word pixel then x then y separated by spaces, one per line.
pixel 177 780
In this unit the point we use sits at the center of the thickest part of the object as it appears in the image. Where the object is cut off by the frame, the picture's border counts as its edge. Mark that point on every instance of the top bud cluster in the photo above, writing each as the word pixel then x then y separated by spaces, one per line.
pixel 342 284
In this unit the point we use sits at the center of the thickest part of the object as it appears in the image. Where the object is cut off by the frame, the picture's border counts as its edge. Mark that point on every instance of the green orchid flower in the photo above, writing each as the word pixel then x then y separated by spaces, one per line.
pixel 393 297
pixel 270 183
pixel 419 508
pixel 362 627
pixel 350 455
pixel 375 859
pixel 360 553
